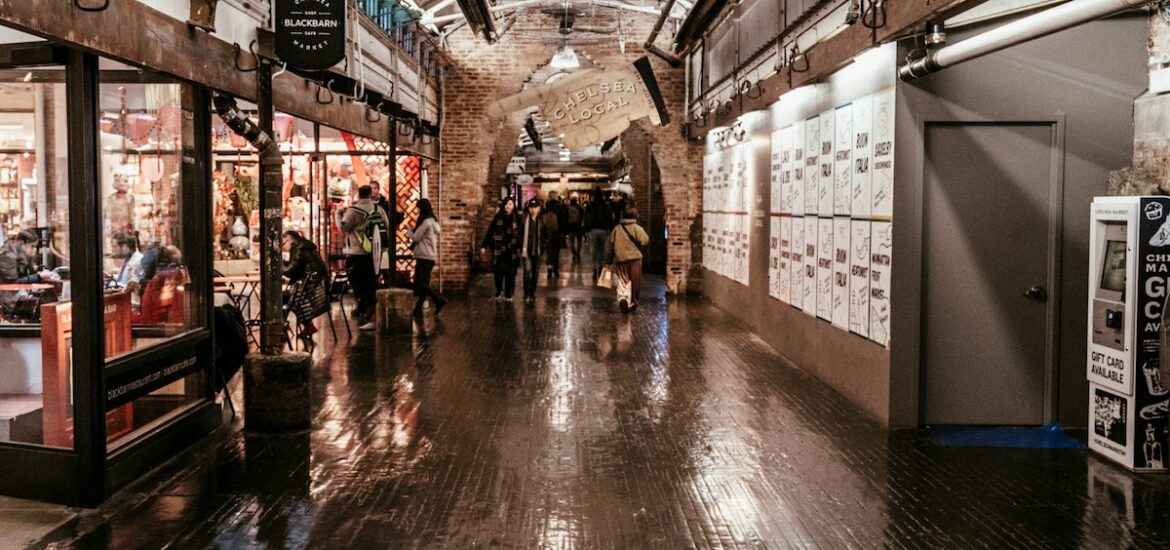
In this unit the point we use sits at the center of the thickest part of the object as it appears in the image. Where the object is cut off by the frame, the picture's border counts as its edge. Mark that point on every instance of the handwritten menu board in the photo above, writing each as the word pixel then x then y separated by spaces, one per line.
pixel 727 195
pixel 831 208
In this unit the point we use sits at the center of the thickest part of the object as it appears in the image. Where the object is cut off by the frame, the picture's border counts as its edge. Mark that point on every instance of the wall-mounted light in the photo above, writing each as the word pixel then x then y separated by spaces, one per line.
pixel 565 58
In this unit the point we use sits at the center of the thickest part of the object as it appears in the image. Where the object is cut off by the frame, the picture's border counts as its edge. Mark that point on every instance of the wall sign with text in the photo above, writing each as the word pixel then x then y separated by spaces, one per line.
pixel 310 34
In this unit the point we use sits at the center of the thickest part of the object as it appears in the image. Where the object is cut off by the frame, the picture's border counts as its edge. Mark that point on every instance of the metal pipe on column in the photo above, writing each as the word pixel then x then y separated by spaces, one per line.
pixel 272 336
pixel 1042 24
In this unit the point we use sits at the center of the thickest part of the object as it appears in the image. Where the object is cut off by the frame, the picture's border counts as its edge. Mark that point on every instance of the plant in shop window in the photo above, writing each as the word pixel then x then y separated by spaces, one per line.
pixel 236 197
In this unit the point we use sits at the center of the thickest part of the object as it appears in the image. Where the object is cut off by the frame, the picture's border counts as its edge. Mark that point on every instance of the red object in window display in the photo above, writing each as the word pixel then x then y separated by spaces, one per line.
pixel 140 126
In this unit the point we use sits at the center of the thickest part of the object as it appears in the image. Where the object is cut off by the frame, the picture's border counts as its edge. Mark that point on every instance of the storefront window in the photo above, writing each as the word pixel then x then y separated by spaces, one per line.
pixel 36 397
pixel 148 146
pixel 143 128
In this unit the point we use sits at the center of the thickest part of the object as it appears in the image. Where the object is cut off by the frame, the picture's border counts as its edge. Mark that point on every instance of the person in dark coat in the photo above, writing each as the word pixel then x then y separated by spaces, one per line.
pixel 303 258
pixel 16 265
pixel 575 220
pixel 554 226
pixel 532 243
pixel 503 238
pixel 599 220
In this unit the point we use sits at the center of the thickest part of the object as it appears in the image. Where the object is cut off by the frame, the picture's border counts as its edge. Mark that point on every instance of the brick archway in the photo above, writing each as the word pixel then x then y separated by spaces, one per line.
pixel 476 149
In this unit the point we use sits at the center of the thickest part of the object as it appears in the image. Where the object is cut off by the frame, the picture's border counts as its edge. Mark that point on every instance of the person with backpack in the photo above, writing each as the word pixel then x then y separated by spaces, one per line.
pixel 363 224
pixel 624 249
pixel 382 265
pixel 599 222
pixel 425 243
pixel 575 217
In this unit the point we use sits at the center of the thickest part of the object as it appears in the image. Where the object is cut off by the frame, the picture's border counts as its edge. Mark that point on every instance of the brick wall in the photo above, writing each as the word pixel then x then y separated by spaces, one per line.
pixel 472 144
pixel 1151 148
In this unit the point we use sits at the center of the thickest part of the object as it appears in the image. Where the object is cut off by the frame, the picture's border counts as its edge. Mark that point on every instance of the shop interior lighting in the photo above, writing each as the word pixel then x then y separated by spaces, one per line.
pixel 565 58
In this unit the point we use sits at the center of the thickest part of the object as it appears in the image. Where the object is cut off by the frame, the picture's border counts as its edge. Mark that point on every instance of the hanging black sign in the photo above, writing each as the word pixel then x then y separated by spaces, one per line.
pixel 310 34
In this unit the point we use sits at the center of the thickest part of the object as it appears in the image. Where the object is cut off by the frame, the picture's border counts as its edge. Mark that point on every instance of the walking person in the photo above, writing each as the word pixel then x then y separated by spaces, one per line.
pixel 554 239
pixel 554 224
pixel 575 217
pixel 359 223
pixel 624 249
pixel 532 237
pixel 426 251
pixel 599 222
pixel 503 238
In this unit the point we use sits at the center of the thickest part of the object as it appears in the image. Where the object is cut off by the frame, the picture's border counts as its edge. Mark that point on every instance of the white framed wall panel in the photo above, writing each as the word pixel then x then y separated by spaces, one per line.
pixel 841 229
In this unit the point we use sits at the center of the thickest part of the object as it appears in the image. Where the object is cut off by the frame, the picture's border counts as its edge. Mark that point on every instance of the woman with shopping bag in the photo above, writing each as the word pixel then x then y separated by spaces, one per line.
pixel 624 249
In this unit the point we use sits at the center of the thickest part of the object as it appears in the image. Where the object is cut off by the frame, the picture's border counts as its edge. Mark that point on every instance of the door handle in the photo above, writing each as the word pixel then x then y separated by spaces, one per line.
pixel 1037 293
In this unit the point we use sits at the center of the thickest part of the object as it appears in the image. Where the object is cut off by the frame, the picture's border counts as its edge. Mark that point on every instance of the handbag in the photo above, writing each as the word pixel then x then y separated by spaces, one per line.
pixel 641 247
pixel 605 279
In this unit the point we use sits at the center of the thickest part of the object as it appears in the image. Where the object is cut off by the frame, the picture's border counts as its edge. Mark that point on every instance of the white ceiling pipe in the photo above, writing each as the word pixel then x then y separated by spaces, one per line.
pixel 1042 24
pixel 435 8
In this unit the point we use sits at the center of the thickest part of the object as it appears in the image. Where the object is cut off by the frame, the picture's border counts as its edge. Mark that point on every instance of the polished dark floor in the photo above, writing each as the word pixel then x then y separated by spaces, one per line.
pixel 565 424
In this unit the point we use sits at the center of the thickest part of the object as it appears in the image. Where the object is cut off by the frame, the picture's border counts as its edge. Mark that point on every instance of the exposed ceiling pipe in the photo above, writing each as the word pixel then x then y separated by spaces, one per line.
pixel 1042 24
pixel 479 16
pixel 698 20
pixel 649 45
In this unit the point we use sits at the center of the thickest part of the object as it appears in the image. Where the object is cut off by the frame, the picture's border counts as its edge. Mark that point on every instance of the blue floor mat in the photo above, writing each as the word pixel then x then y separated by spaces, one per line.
pixel 1044 437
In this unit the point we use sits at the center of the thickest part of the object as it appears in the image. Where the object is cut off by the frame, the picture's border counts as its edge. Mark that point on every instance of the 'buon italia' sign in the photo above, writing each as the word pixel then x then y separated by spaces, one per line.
pixel 588 106
pixel 310 34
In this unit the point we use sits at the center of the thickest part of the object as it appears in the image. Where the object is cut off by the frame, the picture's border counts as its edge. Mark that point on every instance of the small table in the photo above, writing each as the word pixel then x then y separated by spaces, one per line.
pixel 243 297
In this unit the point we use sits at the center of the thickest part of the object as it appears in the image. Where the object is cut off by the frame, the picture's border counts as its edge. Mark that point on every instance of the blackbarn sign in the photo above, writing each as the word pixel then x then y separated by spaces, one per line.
pixel 310 34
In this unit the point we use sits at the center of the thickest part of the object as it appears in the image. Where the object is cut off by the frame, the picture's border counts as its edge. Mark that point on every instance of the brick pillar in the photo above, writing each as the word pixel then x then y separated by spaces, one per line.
pixel 1151 148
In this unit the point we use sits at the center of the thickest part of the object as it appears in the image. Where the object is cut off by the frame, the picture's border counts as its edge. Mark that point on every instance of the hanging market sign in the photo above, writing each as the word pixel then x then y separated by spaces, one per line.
pixel 310 34
pixel 591 106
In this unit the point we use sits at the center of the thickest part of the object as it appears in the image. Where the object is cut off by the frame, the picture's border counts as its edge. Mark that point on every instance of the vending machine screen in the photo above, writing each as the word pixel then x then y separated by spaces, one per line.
pixel 1113 275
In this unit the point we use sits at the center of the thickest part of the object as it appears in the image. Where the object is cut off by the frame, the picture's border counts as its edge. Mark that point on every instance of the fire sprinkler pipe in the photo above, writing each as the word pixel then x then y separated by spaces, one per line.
pixel 1042 24
pixel 649 45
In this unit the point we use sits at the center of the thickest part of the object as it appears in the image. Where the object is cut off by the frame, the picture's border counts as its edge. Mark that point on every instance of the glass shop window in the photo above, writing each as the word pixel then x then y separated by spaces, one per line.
pixel 36 389
pixel 146 123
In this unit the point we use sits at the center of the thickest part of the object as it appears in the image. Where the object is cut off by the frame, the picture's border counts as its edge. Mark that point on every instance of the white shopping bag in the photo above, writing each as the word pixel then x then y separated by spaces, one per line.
pixel 623 289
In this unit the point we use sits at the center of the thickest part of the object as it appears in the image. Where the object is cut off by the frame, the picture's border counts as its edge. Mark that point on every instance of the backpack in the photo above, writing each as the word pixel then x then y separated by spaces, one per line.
pixel 575 215
pixel 374 221
pixel 231 341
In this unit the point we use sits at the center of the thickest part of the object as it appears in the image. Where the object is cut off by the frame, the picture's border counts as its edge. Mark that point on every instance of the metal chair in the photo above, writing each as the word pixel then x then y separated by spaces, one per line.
pixel 338 286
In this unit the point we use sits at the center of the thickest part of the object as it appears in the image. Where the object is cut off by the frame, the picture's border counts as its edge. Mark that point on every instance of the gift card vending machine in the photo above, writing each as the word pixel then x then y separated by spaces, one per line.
pixel 1129 265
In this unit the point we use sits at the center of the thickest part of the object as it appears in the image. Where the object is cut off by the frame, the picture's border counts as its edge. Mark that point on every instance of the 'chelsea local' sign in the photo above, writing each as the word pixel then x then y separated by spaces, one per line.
pixel 310 34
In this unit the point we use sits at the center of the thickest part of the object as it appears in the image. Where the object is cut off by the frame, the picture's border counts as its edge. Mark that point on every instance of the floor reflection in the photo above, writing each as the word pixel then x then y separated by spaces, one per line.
pixel 565 424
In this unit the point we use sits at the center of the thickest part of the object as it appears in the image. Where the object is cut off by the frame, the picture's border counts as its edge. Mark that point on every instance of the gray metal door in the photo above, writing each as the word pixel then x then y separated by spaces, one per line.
pixel 987 265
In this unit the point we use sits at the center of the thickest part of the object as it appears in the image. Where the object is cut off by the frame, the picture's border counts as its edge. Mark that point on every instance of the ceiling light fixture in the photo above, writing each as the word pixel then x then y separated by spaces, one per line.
pixel 565 58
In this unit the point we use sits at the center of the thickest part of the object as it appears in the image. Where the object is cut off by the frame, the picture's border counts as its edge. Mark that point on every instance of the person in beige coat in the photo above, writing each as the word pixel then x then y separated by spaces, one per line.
pixel 624 249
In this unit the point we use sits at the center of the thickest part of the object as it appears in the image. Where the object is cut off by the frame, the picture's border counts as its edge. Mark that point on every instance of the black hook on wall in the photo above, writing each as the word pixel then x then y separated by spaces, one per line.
pixel 376 110
pixel 236 58
pixel 77 4
pixel 794 56
pixel 758 87
pixel 402 124
pixel 317 95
